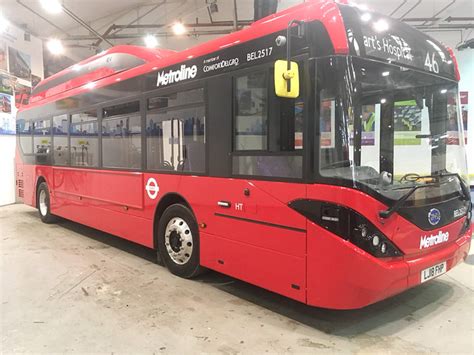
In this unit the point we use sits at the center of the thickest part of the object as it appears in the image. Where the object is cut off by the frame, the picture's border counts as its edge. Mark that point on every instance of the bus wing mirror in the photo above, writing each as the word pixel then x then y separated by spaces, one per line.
pixel 287 81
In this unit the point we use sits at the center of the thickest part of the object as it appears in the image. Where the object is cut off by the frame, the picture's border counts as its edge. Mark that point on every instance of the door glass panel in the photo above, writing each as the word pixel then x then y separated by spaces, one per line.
pixel 250 131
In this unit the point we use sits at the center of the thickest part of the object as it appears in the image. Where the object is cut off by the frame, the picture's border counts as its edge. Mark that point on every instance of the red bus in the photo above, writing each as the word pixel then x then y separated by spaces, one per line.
pixel 317 153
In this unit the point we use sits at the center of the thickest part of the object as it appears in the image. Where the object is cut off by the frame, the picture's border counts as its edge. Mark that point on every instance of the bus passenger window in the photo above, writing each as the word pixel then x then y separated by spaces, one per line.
pixel 60 140
pixel 42 141
pixel 121 136
pixel 24 131
pixel 175 130
pixel 84 139
pixel 176 140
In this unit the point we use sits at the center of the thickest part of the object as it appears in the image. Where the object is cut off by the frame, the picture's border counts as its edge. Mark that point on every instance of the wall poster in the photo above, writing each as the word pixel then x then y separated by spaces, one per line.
pixel 20 64
pixel 3 56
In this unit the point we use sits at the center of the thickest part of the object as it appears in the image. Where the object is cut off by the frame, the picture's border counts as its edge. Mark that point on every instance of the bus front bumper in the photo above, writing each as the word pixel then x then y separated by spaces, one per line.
pixel 359 279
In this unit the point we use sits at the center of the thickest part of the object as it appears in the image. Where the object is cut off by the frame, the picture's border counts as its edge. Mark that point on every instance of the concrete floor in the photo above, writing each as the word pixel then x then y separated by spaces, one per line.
pixel 68 288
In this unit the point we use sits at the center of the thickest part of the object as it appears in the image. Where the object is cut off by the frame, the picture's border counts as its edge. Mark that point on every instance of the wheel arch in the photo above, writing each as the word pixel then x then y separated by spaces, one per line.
pixel 166 201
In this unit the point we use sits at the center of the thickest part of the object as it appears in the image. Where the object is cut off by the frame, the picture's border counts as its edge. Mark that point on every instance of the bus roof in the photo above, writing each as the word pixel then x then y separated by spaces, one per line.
pixel 130 61
pixel 345 26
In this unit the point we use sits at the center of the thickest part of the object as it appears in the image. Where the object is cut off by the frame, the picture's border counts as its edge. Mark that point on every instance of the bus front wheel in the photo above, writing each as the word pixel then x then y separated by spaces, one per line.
pixel 178 241
pixel 43 204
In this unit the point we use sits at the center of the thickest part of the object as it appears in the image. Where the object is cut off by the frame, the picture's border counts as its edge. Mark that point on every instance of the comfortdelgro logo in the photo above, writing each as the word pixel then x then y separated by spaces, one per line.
pixel 426 242
pixel 175 76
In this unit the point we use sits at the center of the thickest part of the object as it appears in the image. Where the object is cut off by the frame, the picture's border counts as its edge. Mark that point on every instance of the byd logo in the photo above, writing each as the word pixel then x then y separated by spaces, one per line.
pixel 426 242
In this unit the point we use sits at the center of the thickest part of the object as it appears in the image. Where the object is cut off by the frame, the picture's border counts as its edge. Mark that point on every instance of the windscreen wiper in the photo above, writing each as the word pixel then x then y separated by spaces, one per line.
pixel 388 212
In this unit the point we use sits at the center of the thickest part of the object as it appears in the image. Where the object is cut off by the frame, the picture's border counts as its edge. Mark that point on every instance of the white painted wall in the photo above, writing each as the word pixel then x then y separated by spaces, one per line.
pixel 14 37
pixel 7 170
pixel 465 60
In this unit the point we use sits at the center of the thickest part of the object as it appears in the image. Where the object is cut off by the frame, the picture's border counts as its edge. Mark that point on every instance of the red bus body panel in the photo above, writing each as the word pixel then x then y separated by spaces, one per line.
pixel 297 261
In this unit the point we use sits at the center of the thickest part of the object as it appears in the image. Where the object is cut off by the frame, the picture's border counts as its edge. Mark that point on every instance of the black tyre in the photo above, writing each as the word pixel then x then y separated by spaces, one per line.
pixel 43 204
pixel 178 241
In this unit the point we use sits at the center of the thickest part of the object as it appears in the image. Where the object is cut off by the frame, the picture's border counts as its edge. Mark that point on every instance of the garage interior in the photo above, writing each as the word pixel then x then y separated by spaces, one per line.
pixel 68 288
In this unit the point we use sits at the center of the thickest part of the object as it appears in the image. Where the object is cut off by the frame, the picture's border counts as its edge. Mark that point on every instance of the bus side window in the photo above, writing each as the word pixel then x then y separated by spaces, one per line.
pixel 122 136
pixel 268 130
pixel 24 131
pixel 42 141
pixel 60 140
pixel 84 139
pixel 176 132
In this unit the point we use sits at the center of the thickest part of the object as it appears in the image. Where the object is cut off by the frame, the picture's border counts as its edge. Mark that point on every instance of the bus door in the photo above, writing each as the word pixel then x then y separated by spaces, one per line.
pixel 251 233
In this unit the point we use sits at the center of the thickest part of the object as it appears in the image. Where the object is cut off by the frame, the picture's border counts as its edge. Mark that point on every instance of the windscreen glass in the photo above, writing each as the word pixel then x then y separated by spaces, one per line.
pixel 388 128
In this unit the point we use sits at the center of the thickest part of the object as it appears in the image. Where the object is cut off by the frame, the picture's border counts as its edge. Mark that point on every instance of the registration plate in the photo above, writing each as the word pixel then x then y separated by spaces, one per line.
pixel 433 271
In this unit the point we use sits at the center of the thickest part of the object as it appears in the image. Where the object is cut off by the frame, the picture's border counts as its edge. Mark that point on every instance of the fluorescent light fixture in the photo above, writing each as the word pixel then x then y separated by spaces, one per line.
pixel 179 28
pixel 90 85
pixel 381 25
pixel 385 73
pixel 55 46
pixel 3 23
pixel 366 17
pixel 150 41
pixel 444 91
pixel 51 6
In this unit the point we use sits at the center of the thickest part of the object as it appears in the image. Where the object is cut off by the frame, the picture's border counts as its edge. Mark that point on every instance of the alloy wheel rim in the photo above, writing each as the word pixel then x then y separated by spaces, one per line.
pixel 42 203
pixel 179 240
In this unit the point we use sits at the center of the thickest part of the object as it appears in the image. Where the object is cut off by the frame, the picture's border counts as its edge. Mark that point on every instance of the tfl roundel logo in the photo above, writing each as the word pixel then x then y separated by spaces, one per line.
pixel 434 216
pixel 152 188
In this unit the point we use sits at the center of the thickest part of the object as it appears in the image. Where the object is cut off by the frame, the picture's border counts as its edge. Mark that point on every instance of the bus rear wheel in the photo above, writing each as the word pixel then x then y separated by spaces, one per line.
pixel 43 204
pixel 178 241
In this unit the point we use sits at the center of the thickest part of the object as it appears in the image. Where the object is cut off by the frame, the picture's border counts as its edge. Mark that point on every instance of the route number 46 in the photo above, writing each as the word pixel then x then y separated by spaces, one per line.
pixel 431 63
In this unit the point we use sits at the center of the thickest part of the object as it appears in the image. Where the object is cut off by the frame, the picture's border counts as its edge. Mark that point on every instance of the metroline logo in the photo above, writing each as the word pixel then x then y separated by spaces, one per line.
pixel 174 76
pixel 426 242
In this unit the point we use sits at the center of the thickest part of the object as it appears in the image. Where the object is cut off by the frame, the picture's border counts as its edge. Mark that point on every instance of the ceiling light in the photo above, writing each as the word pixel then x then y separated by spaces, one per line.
pixel 90 85
pixel 381 25
pixel 444 91
pixel 366 17
pixel 55 46
pixel 51 6
pixel 385 73
pixel 150 41
pixel 382 101
pixel 179 28
pixel 3 23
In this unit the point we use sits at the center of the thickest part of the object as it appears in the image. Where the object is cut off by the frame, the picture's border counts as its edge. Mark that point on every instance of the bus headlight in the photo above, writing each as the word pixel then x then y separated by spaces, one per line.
pixel 375 240
pixel 348 225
